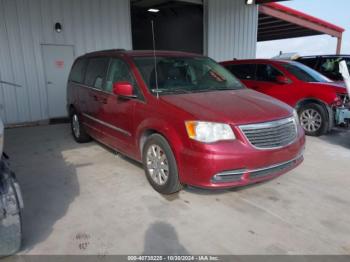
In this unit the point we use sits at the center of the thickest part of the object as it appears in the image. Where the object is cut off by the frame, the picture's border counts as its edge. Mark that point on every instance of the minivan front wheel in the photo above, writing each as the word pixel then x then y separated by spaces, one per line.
pixel 78 130
pixel 314 120
pixel 160 165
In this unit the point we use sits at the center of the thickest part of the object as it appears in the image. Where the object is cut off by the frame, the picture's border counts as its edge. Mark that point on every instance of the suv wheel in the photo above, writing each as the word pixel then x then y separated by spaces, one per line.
pixel 78 130
pixel 160 165
pixel 314 119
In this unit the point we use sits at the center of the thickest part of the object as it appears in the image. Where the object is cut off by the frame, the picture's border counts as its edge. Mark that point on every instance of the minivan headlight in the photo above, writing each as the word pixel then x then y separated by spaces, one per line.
pixel 209 132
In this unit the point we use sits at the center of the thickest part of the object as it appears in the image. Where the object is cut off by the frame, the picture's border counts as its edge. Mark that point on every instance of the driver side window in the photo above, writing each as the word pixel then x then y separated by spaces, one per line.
pixel 119 71
pixel 267 73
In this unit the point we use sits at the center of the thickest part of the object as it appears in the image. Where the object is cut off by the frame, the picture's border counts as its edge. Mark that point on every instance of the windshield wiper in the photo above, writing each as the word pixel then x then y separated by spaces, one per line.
pixel 170 90
pixel 216 89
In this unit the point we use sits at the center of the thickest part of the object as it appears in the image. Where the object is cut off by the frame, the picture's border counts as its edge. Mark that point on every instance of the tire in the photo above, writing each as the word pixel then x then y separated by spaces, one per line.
pixel 314 119
pixel 160 165
pixel 78 130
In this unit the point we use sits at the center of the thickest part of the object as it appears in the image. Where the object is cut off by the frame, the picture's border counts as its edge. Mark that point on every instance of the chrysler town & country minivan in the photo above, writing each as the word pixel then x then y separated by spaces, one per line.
pixel 185 117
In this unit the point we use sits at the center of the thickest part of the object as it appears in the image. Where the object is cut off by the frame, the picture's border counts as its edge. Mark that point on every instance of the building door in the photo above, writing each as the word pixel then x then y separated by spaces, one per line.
pixel 58 60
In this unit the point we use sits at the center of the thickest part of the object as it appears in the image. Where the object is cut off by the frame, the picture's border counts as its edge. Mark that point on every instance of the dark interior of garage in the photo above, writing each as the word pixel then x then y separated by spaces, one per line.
pixel 177 26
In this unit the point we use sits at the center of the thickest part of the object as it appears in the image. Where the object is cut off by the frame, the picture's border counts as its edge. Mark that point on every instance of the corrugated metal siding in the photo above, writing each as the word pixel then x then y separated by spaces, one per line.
pixel 88 25
pixel 231 29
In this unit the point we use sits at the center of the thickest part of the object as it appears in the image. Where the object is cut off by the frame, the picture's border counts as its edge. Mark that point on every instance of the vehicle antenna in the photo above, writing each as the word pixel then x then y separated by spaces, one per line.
pixel 155 58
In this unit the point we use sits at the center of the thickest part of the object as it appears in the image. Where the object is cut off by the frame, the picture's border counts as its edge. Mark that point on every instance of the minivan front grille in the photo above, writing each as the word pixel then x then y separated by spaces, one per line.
pixel 271 135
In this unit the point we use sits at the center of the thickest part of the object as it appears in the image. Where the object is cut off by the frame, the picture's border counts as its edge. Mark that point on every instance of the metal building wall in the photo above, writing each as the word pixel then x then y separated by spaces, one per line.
pixel 88 25
pixel 231 29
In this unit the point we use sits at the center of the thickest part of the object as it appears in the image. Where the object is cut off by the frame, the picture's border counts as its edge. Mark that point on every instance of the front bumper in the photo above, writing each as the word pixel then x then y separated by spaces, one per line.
pixel 237 163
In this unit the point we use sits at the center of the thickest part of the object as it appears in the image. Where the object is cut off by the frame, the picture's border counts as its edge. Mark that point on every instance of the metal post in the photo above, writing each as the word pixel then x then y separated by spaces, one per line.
pixel 339 42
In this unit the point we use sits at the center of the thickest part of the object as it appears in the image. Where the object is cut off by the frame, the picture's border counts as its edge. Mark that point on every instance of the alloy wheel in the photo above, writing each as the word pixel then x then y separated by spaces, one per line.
pixel 76 126
pixel 157 164
pixel 311 120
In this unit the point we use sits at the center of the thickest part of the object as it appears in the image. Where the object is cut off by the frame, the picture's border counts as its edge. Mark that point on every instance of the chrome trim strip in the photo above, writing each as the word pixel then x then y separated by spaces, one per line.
pixel 267 124
pixel 243 171
pixel 271 124
pixel 107 125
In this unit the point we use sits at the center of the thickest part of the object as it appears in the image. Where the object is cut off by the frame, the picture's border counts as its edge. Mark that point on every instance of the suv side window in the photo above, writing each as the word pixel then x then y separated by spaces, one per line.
pixel 330 68
pixel 119 71
pixel 78 71
pixel 267 73
pixel 96 71
pixel 244 72
pixel 310 62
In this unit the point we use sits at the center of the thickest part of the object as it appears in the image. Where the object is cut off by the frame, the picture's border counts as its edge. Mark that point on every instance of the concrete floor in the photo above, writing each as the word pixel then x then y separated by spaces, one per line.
pixel 84 199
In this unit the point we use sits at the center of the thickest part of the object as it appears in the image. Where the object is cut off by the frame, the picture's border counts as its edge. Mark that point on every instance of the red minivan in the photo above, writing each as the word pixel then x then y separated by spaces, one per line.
pixel 185 117
pixel 320 102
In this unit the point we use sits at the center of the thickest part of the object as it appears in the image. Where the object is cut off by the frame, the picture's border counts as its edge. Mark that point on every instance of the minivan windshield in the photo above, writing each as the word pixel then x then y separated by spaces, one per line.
pixel 185 75
pixel 305 73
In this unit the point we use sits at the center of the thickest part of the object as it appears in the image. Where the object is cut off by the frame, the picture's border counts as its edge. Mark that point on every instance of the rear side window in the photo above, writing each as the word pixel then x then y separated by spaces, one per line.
pixel 310 62
pixel 245 72
pixel 330 68
pixel 78 71
pixel 96 71
pixel 267 73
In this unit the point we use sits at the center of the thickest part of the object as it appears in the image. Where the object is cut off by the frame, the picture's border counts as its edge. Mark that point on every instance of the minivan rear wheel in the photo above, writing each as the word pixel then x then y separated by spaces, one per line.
pixel 313 118
pixel 78 129
pixel 160 165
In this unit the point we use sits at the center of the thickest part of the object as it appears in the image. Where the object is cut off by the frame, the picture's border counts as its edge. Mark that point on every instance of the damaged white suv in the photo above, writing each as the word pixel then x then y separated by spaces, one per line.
pixel 10 205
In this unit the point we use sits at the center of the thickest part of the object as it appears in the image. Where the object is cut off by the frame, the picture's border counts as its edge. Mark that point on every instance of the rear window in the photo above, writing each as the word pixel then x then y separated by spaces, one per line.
pixel 96 71
pixel 305 73
pixel 78 71
pixel 245 72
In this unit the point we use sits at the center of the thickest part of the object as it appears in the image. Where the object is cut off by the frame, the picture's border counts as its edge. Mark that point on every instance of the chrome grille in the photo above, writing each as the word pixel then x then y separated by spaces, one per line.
pixel 271 135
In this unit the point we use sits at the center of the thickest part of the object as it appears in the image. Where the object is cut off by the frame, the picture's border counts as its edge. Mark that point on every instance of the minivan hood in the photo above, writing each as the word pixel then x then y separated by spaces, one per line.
pixel 236 107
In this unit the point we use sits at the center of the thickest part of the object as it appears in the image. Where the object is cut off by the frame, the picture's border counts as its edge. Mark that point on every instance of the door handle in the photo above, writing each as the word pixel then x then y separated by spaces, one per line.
pixel 104 100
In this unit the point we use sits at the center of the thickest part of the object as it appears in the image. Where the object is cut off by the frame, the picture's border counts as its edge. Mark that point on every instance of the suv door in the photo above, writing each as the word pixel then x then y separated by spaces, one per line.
pixel 94 77
pixel 266 82
pixel 118 113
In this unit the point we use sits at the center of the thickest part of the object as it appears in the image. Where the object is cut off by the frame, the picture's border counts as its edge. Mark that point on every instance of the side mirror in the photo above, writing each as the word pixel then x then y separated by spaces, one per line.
pixel 123 89
pixel 283 80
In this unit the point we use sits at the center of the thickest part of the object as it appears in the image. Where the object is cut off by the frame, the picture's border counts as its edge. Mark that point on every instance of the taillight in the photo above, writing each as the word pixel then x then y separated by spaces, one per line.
pixel 338 101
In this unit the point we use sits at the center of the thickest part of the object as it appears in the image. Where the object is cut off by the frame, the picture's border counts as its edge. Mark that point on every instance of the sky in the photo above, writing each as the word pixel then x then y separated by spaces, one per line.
pixel 333 11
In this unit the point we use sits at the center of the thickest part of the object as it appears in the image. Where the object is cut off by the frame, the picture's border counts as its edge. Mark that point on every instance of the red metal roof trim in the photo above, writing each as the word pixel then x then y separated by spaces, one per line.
pixel 302 15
